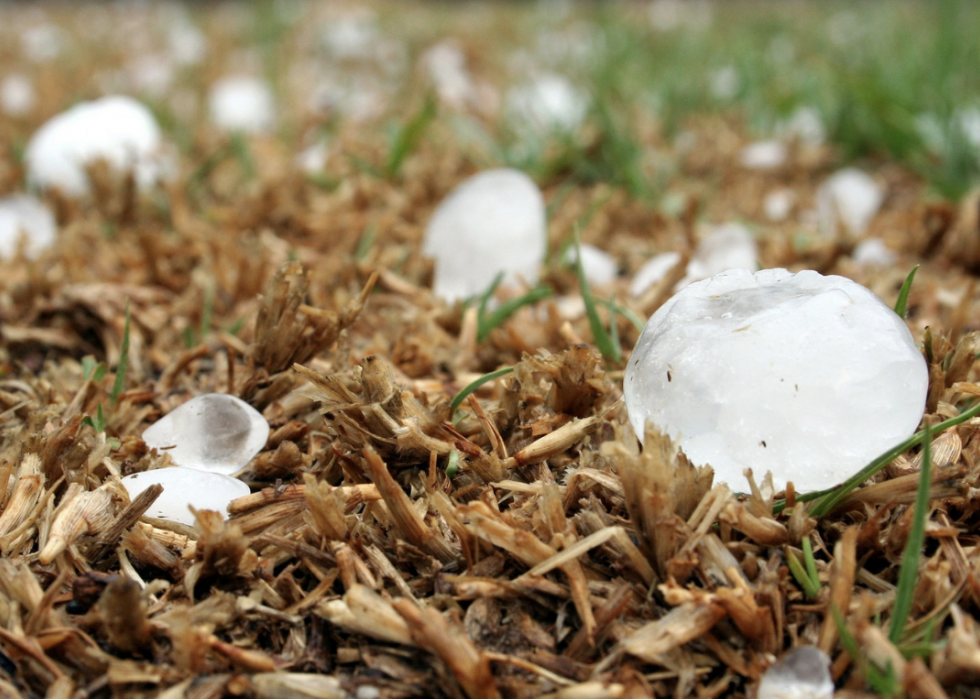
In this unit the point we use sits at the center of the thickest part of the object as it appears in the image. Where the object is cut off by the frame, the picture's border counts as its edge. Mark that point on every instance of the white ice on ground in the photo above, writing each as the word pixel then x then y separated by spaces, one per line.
pixel 183 487
pixel 778 204
pixel 809 377
pixel 600 268
pixel 116 129
pixel 874 253
pixel 213 432
pixel 805 125
pixel 313 159
pixel 493 222
pixel 763 155
pixel 652 271
pixel 803 673
pixel 242 103
pixel 847 201
pixel 17 95
pixel 24 215
pixel 546 103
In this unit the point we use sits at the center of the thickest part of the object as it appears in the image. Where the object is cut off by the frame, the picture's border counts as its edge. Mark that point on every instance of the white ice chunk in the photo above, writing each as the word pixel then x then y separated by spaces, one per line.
pixel 352 36
pixel 728 246
pixel 212 432
pixel 599 266
pixel 445 64
pixel 809 377
pixel 313 160
pixel 188 45
pixel 547 103
pixel 242 103
pixel 778 204
pixel 803 673
pixel 183 487
pixel 805 125
pixel 874 253
pixel 116 129
pixel 763 155
pixel 21 214
pixel 725 82
pixel 652 271
pixel 17 95
pixel 493 222
pixel 848 199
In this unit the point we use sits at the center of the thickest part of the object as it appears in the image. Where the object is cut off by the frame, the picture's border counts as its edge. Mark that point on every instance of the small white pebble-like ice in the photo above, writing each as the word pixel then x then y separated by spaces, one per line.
pixel 184 487
pixel 763 155
pixel 24 215
pixel 547 103
pixel 17 95
pixel 809 377
pixel 213 432
pixel 242 103
pixel 116 129
pixel 847 201
pixel 493 222
pixel 778 204
pixel 803 673
pixel 873 252
pixel 600 268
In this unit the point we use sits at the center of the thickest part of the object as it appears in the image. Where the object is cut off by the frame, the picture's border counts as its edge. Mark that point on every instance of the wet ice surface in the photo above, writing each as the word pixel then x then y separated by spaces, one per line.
pixel 806 376
pixel 25 215
pixel 183 487
pixel 493 222
pixel 214 432
pixel 116 129
pixel 803 673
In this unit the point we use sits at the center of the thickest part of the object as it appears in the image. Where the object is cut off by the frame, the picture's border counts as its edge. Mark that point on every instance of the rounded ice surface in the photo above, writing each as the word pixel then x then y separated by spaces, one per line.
pixel 213 432
pixel 116 129
pixel 242 103
pixel 848 199
pixel 183 487
pixel 803 673
pixel 493 222
pixel 599 266
pixel 21 214
pixel 809 377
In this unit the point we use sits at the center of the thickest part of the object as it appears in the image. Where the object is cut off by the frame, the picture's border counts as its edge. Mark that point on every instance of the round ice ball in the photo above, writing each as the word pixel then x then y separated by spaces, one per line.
pixel 804 375
pixel 24 215
pixel 493 222
pixel 116 129
pixel 242 103
pixel 183 487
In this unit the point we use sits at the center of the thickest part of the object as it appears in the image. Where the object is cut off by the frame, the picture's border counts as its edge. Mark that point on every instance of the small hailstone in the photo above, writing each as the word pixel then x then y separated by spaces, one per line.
pixel 728 246
pixel 803 673
pixel 809 377
pixel 763 155
pixel 43 42
pixel 547 103
pixel 493 222
pixel 313 160
pixel 188 45
pixel 116 129
pixel 805 125
pixel 25 215
pixel 778 204
pixel 652 271
pixel 874 253
pixel 352 36
pixel 599 266
pixel 445 64
pixel 850 198
pixel 725 83
pixel 242 103
pixel 17 95
pixel 213 432
pixel 183 487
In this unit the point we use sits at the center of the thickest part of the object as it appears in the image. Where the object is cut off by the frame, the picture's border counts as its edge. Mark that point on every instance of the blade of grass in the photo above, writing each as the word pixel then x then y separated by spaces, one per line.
pixel 902 304
pixel 117 385
pixel 802 578
pixel 628 314
pixel 408 137
pixel 473 385
pixel 487 322
pixel 908 574
pixel 610 350
pixel 810 562
pixel 366 242
pixel 207 312
pixel 243 154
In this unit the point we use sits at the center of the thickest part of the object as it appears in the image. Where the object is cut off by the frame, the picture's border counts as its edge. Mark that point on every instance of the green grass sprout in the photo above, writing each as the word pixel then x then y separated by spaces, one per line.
pixel 603 340
pixel 474 385
pixel 120 381
pixel 902 304
pixel 407 137
pixel 810 587
pixel 494 319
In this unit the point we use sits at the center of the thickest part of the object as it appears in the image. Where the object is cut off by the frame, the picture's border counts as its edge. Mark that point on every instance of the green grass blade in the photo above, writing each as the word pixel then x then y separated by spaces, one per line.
pixel 487 322
pixel 366 242
pixel 408 137
pixel 908 574
pixel 902 304
pixel 207 313
pixel 117 385
pixel 810 562
pixel 635 320
pixel 801 576
pixel 609 349
pixel 243 154
pixel 472 386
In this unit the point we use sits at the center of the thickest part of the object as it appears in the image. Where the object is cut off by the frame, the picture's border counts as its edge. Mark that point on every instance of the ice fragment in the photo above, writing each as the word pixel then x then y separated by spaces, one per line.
pixel 848 199
pixel 493 222
pixel 778 204
pixel 803 673
pixel 547 103
pixel 214 432
pixel 183 487
pixel 874 253
pixel 17 95
pixel 242 103
pixel 25 215
pixel 652 271
pixel 763 155
pixel 809 377
pixel 599 266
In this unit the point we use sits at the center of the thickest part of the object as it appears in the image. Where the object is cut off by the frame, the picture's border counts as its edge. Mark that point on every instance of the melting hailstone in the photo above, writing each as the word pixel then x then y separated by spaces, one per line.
pixel 601 268
pixel 803 673
pixel 183 487
pixel 24 215
pixel 848 200
pixel 214 432
pixel 493 222
pixel 809 377
pixel 242 103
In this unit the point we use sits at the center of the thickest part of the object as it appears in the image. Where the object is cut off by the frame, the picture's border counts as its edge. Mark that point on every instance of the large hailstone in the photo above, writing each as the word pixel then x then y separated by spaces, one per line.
pixel 493 222
pixel 24 215
pixel 242 103
pixel 809 377
pixel 214 432
pixel 184 487
pixel 117 129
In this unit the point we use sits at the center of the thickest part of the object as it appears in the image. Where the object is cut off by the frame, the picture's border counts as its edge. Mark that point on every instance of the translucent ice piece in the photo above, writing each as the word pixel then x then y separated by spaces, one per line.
pixel 183 487
pixel 849 199
pixel 809 377
pixel 213 432
pixel 599 266
pixel 25 215
pixel 242 103
pixel 803 673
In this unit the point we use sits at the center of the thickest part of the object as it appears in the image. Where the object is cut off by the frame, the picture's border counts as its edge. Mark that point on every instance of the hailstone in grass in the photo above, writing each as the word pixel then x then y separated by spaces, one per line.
pixel 778 204
pixel 763 155
pixel 213 432
pixel 242 103
pixel 184 487
pixel 848 200
pixel 652 271
pixel 809 377
pixel 803 673
pixel 24 215
pixel 873 252
pixel 600 268
pixel 17 95
pixel 493 222
pixel 546 103
pixel 116 129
